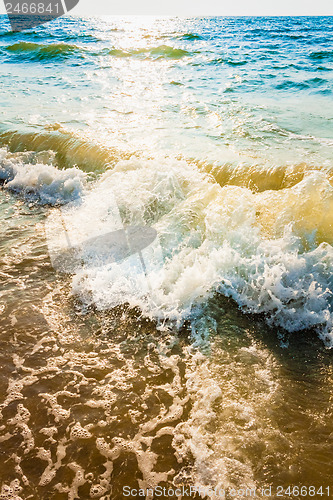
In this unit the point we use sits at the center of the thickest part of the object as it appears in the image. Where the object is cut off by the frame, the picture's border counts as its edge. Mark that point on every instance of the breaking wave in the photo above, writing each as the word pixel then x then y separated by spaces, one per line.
pixel 270 251
pixel 262 237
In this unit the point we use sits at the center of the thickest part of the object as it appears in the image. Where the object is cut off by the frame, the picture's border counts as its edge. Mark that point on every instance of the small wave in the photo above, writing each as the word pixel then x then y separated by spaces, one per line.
pixel 255 31
pixel 190 36
pixel 313 84
pixel 37 51
pixel 323 68
pixel 290 85
pixel 296 36
pixel 322 55
pixel 230 62
pixel 162 51
pixel 316 82
pixel 42 182
pixel 38 34
pixel 10 34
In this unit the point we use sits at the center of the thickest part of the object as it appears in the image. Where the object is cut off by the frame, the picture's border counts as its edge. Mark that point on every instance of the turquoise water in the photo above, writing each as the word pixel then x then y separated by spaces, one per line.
pixel 230 87
pixel 216 372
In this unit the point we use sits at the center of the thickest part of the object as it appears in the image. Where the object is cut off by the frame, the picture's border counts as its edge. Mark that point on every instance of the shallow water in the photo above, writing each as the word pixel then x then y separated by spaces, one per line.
pixel 217 133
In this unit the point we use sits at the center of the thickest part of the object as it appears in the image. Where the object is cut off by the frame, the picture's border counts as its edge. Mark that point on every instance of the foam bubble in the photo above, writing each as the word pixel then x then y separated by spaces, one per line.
pixel 79 432
pixel 11 491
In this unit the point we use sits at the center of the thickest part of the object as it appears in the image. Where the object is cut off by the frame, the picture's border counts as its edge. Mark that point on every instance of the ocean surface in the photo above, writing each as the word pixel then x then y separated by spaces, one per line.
pixel 213 368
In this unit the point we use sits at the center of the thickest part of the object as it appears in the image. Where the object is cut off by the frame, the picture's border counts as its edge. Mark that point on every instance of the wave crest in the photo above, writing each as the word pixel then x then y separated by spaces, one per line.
pixel 162 51
pixel 38 51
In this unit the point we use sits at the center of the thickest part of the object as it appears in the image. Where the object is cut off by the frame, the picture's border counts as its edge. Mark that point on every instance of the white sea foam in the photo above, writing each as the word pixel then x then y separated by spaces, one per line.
pixel 40 181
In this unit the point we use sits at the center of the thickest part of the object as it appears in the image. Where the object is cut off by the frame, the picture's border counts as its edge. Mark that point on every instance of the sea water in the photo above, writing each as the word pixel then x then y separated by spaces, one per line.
pixel 217 133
